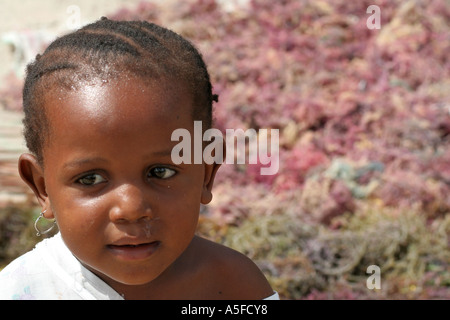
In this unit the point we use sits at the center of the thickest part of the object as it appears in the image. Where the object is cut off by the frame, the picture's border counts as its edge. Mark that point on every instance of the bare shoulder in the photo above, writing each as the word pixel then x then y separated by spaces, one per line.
pixel 232 274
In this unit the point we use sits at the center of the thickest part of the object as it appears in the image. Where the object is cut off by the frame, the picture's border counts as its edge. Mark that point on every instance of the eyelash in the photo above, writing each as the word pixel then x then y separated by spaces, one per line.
pixel 87 176
pixel 165 168
pixel 150 174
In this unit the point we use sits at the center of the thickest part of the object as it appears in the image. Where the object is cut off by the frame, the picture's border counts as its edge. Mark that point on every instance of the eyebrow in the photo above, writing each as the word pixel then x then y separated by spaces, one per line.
pixel 85 161
pixel 161 153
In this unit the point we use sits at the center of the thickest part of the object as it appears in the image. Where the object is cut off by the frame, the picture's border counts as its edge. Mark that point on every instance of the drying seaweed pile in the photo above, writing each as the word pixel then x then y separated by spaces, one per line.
pixel 307 259
pixel 364 120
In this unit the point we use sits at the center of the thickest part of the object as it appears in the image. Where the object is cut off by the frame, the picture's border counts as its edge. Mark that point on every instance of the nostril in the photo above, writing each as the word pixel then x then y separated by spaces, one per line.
pixel 128 211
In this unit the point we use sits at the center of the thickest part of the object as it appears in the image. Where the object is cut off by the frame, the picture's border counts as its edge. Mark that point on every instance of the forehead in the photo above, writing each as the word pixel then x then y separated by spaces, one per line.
pixel 109 103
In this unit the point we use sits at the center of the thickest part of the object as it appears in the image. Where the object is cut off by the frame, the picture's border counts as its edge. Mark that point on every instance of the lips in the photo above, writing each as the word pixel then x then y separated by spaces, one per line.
pixel 129 249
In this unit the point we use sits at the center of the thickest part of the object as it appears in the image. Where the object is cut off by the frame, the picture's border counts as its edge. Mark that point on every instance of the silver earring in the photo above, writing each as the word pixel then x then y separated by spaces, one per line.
pixel 39 232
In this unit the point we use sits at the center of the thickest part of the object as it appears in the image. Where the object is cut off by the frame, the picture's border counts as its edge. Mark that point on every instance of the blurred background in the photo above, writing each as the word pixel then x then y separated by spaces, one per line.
pixel 362 101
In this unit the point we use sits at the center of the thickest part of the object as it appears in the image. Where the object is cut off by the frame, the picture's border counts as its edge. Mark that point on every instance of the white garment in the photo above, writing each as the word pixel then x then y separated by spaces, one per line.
pixel 51 272
pixel 274 296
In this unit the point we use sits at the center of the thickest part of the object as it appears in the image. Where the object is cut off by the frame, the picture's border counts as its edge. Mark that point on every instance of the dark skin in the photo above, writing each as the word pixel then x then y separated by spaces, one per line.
pixel 125 211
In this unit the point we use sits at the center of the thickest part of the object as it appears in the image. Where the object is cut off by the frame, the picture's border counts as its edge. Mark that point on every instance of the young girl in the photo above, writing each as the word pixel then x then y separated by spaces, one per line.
pixel 100 107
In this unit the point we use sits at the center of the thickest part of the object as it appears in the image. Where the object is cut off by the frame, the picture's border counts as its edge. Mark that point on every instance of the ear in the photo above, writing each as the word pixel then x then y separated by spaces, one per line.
pixel 210 174
pixel 32 174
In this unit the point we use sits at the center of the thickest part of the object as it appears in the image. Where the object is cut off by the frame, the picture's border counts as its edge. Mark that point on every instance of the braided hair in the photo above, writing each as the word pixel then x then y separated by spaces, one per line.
pixel 106 49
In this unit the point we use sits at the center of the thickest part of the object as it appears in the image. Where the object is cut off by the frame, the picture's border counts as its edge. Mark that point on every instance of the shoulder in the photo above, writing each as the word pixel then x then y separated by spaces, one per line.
pixel 234 275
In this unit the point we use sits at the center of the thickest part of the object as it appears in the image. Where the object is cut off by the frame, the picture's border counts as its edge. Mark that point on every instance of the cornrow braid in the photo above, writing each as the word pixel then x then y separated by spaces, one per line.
pixel 107 49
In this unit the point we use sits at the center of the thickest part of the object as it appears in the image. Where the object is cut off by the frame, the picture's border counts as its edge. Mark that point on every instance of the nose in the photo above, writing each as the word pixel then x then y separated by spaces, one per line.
pixel 130 205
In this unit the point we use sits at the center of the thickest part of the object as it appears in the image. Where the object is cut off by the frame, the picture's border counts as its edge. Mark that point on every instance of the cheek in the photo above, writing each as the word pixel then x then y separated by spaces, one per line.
pixel 179 211
pixel 181 214
pixel 77 218
pixel 83 227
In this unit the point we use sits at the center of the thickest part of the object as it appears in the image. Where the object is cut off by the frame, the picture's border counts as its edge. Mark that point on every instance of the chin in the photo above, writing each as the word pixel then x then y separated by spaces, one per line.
pixel 127 275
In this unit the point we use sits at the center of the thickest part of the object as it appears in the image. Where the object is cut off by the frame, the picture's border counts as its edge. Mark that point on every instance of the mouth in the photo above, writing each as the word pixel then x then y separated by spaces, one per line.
pixel 134 251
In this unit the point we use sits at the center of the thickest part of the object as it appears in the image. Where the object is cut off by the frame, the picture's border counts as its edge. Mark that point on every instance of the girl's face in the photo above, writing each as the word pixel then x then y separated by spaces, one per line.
pixel 123 208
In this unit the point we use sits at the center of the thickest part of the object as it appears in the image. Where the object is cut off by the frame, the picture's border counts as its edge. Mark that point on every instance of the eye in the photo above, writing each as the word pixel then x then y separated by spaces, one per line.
pixel 161 173
pixel 91 179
